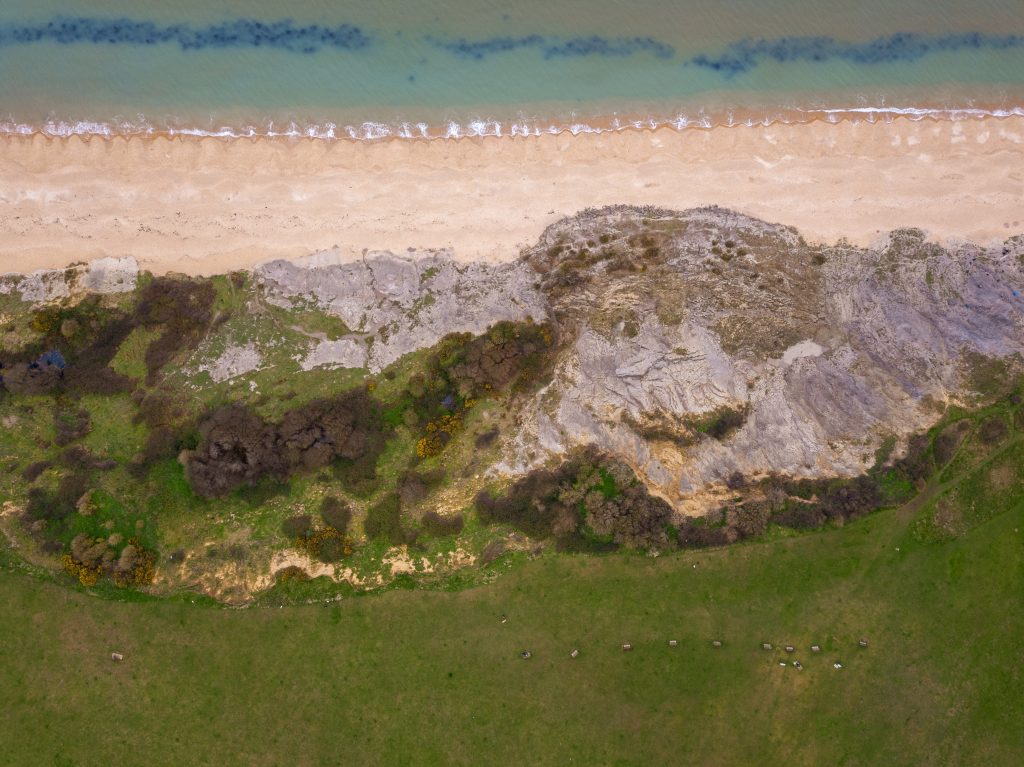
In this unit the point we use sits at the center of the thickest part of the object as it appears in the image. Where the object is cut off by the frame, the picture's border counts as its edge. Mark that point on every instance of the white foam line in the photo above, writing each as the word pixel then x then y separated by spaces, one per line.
pixel 922 112
pixel 482 127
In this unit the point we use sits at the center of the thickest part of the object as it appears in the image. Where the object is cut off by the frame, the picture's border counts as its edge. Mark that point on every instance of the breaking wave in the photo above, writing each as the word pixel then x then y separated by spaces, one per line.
pixel 520 127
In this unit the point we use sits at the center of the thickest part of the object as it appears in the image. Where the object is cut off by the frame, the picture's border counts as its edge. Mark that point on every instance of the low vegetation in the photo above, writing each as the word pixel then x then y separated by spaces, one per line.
pixel 588 503
pixel 122 452
pixel 238 447
pixel 114 470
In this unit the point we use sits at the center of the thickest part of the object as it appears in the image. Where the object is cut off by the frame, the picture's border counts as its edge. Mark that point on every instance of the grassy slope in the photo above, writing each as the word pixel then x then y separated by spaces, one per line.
pixel 412 677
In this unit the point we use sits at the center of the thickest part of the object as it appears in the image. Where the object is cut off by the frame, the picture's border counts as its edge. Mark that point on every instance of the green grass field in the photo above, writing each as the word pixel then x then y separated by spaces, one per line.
pixel 421 677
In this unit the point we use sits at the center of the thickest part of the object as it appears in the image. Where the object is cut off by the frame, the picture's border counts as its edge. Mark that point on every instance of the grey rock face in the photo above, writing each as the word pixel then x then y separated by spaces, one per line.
pixel 111 275
pixel 235 361
pixel 402 303
pixel 825 350
pixel 37 287
pixel 343 353
pixel 104 275
pixel 692 345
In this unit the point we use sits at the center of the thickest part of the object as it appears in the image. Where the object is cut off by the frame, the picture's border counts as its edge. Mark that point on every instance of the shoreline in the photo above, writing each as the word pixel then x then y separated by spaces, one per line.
pixel 210 205
pixel 520 127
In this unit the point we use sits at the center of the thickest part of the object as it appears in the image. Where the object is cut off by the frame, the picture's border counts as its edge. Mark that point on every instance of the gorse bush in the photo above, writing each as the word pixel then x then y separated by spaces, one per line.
pixel 325 543
pixel 89 559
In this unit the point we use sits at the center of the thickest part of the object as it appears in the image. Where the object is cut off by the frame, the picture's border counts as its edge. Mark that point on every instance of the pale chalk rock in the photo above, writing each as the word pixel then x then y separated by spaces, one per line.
pixel 111 275
pixel 344 353
pixel 235 361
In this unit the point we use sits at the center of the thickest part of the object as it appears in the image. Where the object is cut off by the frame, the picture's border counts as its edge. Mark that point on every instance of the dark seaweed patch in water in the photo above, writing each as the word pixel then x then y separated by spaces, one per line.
pixel 556 47
pixel 237 33
pixel 744 55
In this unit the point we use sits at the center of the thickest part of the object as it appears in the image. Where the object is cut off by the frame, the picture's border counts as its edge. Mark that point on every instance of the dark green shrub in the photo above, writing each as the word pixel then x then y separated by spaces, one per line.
pixel 918 464
pixel 800 517
pixel 58 505
pixel 725 421
pixel 531 505
pixel 238 448
pixel 414 486
pixel 336 513
pixel 437 526
pixel 298 526
pixel 33 471
pixel 993 430
pixel 850 499
pixel 589 503
pixel 508 354
pixel 70 425
pixel 694 535
pixel 384 521
pixel 947 443
pixel 83 459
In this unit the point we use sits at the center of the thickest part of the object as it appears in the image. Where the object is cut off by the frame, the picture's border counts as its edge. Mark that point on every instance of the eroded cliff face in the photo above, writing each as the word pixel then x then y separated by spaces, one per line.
pixel 689 345
pixel 401 303
pixel 672 321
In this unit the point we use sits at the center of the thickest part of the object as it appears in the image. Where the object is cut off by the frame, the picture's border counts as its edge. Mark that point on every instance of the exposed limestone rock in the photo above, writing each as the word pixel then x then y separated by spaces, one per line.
pixel 402 303
pixel 38 287
pixel 800 350
pixel 667 321
pixel 826 349
pixel 104 275
pixel 344 353
pixel 235 361
pixel 111 275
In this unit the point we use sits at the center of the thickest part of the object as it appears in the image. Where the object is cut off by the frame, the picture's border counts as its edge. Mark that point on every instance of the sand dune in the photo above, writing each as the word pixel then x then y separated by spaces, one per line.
pixel 204 206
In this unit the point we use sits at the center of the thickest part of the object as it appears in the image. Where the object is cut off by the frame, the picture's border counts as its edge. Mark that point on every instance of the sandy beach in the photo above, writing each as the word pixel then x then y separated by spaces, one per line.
pixel 204 206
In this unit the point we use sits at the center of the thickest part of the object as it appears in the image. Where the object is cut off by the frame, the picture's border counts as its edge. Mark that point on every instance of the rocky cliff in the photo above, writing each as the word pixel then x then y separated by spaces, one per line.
pixel 699 344
pixel 693 346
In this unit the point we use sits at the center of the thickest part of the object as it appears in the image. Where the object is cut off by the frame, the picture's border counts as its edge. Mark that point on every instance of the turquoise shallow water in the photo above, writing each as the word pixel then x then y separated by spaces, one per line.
pixel 454 67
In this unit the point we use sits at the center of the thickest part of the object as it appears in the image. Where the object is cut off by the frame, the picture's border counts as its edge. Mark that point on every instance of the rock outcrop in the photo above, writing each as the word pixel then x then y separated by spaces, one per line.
pixel 104 275
pixel 401 303
pixel 691 346
pixel 821 351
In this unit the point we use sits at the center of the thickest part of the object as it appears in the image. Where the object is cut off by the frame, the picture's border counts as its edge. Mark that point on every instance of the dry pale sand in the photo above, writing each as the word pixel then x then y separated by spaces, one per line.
pixel 208 205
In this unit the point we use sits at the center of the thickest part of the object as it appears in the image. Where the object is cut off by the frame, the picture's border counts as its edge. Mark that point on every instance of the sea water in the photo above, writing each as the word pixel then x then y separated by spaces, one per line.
pixel 436 68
